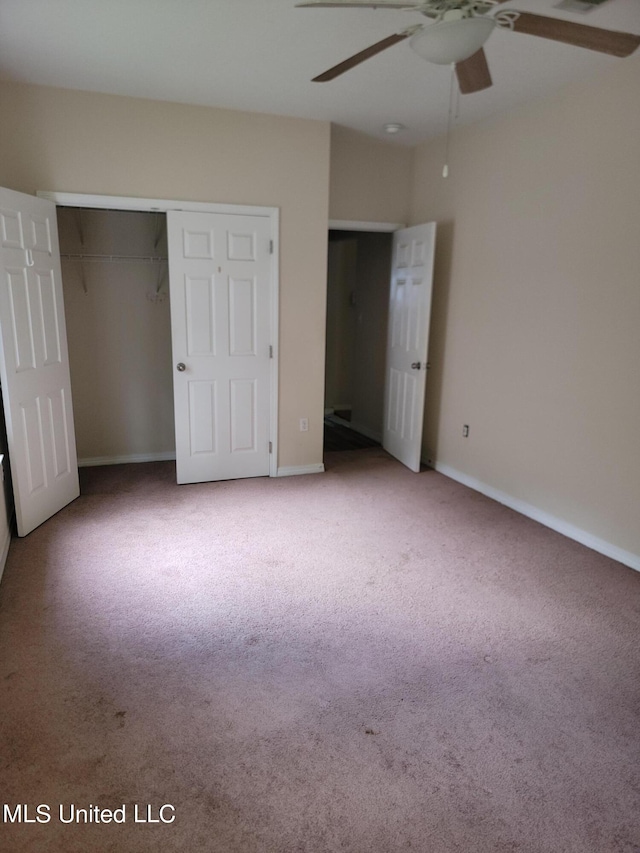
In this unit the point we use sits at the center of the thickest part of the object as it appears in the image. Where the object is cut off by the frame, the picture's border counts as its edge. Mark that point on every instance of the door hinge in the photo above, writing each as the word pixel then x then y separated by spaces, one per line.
pixel 271 247
pixel 270 447
pixel 270 350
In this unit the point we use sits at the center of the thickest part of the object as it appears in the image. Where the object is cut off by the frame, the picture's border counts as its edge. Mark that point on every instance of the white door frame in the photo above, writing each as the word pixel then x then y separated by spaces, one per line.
pixel 371 227
pixel 157 205
pixel 357 225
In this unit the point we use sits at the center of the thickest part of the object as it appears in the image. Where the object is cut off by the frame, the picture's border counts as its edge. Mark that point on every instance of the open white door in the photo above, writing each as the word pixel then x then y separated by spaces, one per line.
pixel 221 304
pixel 34 362
pixel 408 340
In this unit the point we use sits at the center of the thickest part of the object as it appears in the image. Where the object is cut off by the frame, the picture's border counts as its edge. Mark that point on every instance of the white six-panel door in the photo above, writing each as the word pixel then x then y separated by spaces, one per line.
pixel 407 343
pixel 34 363
pixel 220 291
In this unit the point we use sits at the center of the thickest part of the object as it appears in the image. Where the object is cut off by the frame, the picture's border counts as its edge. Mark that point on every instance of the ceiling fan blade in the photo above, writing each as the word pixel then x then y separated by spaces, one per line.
pixel 580 35
pixel 473 73
pixel 365 54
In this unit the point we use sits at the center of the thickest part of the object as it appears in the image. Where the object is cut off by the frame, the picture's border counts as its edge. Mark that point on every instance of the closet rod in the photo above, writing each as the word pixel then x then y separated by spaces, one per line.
pixel 113 258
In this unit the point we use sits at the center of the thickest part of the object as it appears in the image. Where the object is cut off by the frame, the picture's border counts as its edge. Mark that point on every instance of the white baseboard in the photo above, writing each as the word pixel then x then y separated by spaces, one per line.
pixel 358 225
pixel 167 456
pixel 91 461
pixel 557 524
pixel 294 470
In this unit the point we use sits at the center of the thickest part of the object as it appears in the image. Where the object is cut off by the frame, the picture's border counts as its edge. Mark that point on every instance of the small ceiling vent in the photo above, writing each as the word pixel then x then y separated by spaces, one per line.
pixel 580 5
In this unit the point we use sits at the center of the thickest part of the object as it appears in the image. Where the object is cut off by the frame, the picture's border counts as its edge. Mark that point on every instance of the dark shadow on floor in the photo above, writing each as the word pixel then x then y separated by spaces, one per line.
pixel 338 436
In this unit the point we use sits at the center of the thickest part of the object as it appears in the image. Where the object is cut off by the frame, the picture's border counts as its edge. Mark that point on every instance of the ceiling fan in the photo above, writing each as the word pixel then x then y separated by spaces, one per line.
pixel 461 28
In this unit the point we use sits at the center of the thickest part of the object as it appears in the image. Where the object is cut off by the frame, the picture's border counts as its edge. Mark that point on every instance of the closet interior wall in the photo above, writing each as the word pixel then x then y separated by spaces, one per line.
pixel 116 296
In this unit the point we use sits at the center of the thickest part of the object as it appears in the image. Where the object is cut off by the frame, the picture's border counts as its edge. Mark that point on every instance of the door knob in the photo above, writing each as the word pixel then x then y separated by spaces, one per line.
pixel 415 365
pixel 180 366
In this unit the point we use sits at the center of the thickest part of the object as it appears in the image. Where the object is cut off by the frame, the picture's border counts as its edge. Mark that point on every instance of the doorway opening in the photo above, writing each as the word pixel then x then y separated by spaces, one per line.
pixel 359 266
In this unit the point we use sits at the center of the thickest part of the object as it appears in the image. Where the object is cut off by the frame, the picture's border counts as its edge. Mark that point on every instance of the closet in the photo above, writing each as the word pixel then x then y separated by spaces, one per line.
pixel 89 334
pixel 116 296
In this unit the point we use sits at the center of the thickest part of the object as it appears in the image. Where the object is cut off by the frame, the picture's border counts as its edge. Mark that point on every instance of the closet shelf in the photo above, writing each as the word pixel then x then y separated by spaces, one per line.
pixel 149 259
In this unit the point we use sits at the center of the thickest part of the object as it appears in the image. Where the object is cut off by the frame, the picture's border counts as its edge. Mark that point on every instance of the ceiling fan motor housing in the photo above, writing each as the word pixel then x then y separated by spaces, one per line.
pixel 449 41
pixel 454 9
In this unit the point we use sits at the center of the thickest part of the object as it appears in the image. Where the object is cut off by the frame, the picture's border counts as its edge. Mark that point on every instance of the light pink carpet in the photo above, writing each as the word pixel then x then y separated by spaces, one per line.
pixel 367 660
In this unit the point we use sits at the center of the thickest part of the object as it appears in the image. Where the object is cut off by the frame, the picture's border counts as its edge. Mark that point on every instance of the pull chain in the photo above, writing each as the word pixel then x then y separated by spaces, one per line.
pixel 452 102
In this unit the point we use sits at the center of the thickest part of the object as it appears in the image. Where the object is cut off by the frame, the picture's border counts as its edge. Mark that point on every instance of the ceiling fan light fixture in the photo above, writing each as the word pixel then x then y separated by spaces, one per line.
pixel 452 41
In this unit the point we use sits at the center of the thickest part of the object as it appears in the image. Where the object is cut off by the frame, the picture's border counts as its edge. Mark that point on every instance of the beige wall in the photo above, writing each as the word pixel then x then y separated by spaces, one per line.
pixel 536 323
pixel 62 140
pixel 370 180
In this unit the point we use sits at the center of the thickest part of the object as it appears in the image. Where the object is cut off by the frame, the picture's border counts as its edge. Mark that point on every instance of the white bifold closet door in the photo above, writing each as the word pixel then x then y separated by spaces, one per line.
pixel 220 291
pixel 34 363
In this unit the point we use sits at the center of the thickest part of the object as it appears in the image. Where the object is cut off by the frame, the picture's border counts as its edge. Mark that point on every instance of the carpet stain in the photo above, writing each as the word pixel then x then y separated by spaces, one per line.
pixel 120 715
pixel 452 759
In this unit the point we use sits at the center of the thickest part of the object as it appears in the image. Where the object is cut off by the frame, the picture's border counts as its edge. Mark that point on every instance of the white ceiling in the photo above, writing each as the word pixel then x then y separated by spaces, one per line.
pixel 260 55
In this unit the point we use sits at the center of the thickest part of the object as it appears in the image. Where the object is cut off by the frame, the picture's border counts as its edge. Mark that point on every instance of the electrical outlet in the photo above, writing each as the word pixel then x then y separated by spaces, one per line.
pixel 465 431
pixel 304 424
